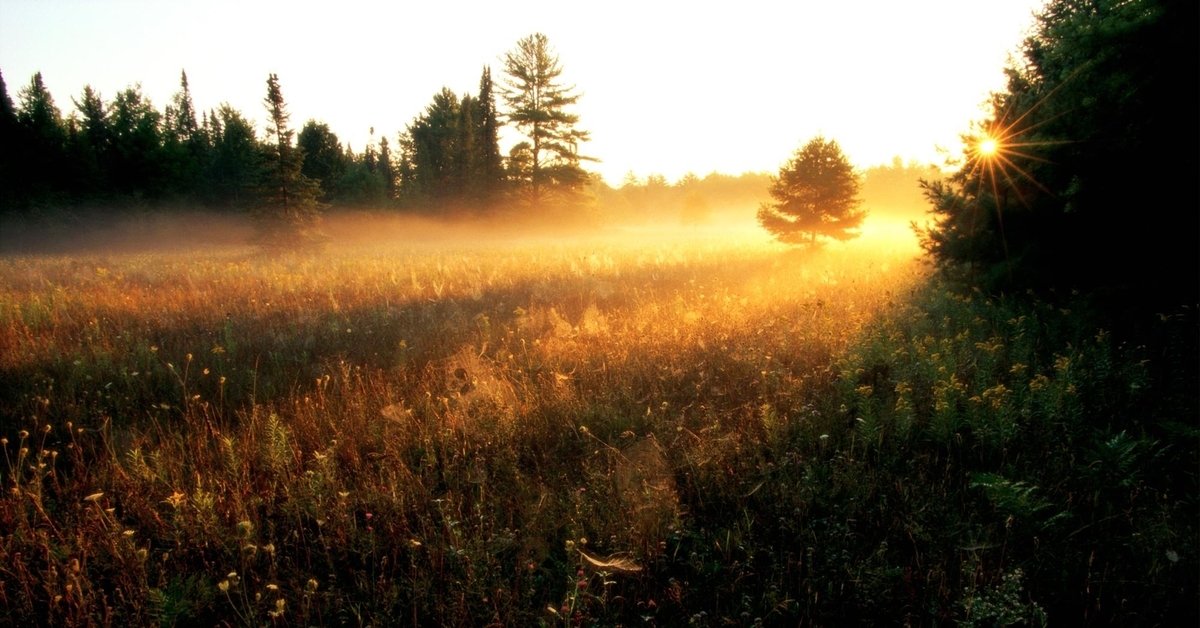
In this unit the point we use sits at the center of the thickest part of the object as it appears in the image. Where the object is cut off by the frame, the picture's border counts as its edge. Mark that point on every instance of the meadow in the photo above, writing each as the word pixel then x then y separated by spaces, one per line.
pixel 639 429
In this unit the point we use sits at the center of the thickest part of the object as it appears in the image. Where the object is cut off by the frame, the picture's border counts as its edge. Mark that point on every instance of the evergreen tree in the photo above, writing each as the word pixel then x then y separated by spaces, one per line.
pixel 547 166
pixel 360 186
pixel 1073 151
pixel 815 196
pixel 449 156
pixel 286 211
pixel 436 161
pixel 489 163
pixel 386 171
pixel 324 160
pixel 9 138
pixel 41 169
pixel 370 157
pixel 93 144
pixel 185 144
pixel 180 115
pixel 408 195
pixel 137 165
pixel 235 166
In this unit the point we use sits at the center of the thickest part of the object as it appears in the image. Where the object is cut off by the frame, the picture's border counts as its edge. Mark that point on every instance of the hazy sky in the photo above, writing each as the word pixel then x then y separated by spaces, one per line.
pixel 668 87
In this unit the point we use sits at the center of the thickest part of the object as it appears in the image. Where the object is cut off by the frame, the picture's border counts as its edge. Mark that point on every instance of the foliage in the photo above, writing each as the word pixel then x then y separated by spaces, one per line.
pixel 135 127
pixel 324 160
pixel 186 145
pixel 10 131
pixel 1036 411
pixel 41 136
pixel 286 211
pixel 1079 130
pixel 814 196
pixel 235 164
pixel 450 155
pixel 545 169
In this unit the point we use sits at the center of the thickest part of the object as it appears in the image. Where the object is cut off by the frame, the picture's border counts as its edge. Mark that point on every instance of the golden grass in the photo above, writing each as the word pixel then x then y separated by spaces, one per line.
pixel 419 428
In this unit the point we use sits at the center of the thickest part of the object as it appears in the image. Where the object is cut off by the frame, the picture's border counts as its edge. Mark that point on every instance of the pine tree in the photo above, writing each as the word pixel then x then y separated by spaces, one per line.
pixel 181 113
pixel 236 163
pixel 9 138
pixel 1078 155
pixel 40 171
pixel 386 171
pixel 815 196
pixel 489 163
pixel 185 143
pixel 324 160
pixel 287 212
pixel 437 164
pixel 547 166
pixel 93 143
pixel 138 164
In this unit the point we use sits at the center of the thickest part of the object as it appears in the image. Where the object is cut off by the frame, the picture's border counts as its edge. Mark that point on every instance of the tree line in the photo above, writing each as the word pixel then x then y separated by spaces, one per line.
pixel 126 151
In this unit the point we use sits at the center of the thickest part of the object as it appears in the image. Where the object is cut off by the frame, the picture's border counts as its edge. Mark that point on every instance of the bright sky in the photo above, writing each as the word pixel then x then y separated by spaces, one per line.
pixel 668 87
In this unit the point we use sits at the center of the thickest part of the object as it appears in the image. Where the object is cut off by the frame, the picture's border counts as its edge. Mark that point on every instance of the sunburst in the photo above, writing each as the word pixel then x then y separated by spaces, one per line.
pixel 998 147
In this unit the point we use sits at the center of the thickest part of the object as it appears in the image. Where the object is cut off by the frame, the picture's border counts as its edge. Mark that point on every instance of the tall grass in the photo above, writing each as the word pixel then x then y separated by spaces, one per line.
pixel 600 433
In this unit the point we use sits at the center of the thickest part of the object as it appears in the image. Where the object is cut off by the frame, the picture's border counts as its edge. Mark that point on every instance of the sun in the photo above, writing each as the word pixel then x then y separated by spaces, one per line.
pixel 988 147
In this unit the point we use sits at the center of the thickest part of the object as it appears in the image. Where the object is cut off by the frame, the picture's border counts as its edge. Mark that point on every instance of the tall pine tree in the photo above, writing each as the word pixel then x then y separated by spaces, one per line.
pixel 93 144
pixel 9 135
pixel 547 166
pixel 287 213
pixel 489 163
pixel 41 169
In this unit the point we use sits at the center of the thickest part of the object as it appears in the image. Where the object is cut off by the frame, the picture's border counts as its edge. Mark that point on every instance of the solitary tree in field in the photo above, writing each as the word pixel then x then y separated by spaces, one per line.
pixel 815 197
pixel 287 212
pixel 537 105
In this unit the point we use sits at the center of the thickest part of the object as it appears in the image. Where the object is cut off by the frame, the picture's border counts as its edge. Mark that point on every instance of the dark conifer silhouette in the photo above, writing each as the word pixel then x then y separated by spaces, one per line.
pixel 286 211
